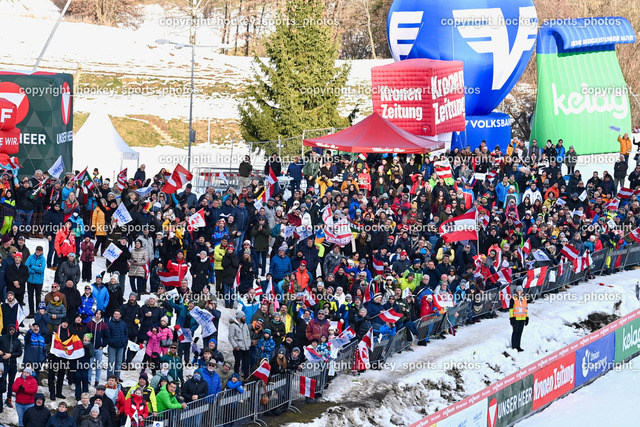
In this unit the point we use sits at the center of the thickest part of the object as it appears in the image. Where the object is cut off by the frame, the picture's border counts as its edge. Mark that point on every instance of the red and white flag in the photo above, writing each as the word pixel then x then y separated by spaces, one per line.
pixel 313 356
pixel 197 219
pixel 613 205
pixel 348 333
pixel 263 371
pixel 570 252
pixel 177 180
pixel 443 300
pixel 526 248
pixel 258 289
pixel 635 235
pixel 308 387
pixel 582 263
pixel 502 276
pixel 378 266
pixel 625 193
pixel 535 277
pixel 122 179
pixel 236 281
pixel 308 298
pixel 491 175
pixel 390 316
pixel 364 346
pixel 505 296
pixel 169 278
pixel 463 227
pixel 271 294
pixel 443 169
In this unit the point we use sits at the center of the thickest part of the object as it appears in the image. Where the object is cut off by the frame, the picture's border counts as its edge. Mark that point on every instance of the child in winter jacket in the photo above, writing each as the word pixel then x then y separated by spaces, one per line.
pixel 88 306
pixel 136 405
pixel 153 350
pixel 266 345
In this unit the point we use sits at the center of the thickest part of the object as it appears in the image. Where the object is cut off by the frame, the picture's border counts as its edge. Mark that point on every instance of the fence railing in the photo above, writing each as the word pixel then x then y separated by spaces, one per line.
pixel 230 406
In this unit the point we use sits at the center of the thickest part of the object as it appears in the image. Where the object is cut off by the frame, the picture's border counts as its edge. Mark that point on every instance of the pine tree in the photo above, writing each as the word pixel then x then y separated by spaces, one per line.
pixel 300 87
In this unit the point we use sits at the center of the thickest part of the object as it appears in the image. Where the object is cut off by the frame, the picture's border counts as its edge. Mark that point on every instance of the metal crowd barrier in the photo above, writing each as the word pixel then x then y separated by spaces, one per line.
pixel 633 256
pixel 278 390
pixel 483 303
pixel 426 324
pixel 343 363
pixel 599 258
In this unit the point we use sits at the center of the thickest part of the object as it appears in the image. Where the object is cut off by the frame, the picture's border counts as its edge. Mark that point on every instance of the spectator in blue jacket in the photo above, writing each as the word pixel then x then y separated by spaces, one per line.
pixel 280 264
pixel 249 303
pixel 36 264
pixel 35 350
pixel 119 338
pixel 295 172
pixel 100 294
pixel 211 377
pixel 40 317
pixel 88 306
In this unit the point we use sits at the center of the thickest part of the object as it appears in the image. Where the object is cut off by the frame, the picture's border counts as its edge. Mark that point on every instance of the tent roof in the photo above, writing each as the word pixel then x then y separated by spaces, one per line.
pixel 98 140
pixel 376 135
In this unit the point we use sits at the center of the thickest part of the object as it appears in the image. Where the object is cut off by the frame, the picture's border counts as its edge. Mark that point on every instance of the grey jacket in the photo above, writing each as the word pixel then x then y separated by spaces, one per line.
pixel 239 335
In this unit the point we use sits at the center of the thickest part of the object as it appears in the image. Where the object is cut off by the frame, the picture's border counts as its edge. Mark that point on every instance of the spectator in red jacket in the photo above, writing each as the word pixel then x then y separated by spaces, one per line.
pixel 25 387
pixel 318 327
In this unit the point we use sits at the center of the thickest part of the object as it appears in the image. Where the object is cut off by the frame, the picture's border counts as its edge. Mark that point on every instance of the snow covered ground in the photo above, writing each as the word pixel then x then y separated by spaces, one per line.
pixel 609 401
pixel 134 53
pixel 422 382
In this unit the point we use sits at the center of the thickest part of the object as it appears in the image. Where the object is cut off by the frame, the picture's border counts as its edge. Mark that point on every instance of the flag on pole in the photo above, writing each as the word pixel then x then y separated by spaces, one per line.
pixel 70 349
pixel 169 279
pixel 84 179
pixel 57 168
pixel 143 192
pixel 491 175
pixel 635 235
pixel 364 346
pixel 122 215
pixel 349 333
pixel 462 227
pixel 236 281
pixel 223 178
pixel 313 356
pixel 582 263
pixel 184 334
pixel 390 316
pixel 443 169
pixel 570 252
pixel 505 296
pixel 122 179
pixel 263 371
pixel 177 180
pixel 378 266
pixel 535 277
pixel 258 288
pixel 625 193
pixel 560 202
pixel 197 219
pixel 12 164
pixel 308 298
pixel 20 316
pixel 308 387
pixel 526 248
pixel 613 205
pixel 502 276
pixel 112 253
pixel 135 347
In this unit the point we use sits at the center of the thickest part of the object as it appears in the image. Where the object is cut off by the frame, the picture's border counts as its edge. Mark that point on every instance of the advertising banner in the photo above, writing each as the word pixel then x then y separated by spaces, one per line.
pixel 494 39
pixel 595 359
pixel 422 96
pixel 44 104
pixel 582 95
pixel 510 403
pixel 627 340
pixel 494 128
pixel 554 380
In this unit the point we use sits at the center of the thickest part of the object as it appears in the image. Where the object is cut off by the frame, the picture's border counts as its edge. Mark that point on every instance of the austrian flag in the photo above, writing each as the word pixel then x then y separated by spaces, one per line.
pixel 443 169
pixel 308 387
pixel 535 277
pixel 635 235
pixel 390 316
pixel 263 371
pixel 463 227
pixel 177 180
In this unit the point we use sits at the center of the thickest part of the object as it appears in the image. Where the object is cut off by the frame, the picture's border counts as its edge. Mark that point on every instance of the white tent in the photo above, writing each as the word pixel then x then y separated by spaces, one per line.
pixel 99 145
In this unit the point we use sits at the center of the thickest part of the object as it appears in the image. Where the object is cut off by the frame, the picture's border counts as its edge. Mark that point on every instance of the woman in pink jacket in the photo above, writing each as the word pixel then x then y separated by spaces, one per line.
pixel 158 335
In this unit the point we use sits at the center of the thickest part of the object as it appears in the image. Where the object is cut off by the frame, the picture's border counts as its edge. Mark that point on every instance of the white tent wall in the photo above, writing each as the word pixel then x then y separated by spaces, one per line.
pixel 99 145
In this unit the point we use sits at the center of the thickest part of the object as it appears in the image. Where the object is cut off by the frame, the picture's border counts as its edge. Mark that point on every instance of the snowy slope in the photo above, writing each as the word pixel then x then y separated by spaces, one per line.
pixel 427 380
pixel 608 401
pixel 134 53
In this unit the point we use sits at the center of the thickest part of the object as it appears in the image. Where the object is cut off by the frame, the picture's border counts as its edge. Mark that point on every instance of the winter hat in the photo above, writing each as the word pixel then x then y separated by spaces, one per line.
pixel 236 376
pixel 96 409
pixel 42 305
pixel 214 341
pixel 144 376
pixel 20 254
pixel 267 331
pixel 39 396
pixel 73 254
pixel 165 318
pixel 134 294
pixel 6 238
pixel 295 349
pixel 28 370
pixel 282 350
pixel 519 288
pixel 240 314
